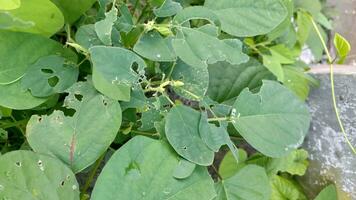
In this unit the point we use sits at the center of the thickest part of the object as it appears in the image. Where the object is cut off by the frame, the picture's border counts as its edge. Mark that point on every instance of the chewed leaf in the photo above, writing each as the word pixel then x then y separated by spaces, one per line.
pixel 50 75
pixel 196 12
pixel 104 27
pixel 191 50
pixel 87 37
pixel 29 175
pixel 113 66
pixel 182 131
pixel 23 49
pixel 148 165
pixel 74 139
pixel 45 17
pixel 156 48
pixel 15 97
pixel 278 113
pixel 245 18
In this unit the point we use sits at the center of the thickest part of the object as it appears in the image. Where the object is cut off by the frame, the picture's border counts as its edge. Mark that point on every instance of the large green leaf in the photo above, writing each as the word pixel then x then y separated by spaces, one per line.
pixel 80 139
pixel 50 75
pixel 148 166
pixel 15 97
pixel 227 81
pixel 251 182
pixel 31 176
pixel 182 131
pixel 41 17
pixel 195 79
pixel 328 193
pixel 191 50
pixel 283 119
pixel 196 12
pixel 156 48
pixel 113 68
pixel 72 9
pixel 23 49
pixel 244 18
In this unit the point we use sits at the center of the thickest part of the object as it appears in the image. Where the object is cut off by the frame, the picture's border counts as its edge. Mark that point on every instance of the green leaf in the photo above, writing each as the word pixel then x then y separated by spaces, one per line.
pixel 3 135
pixel 342 47
pixel 148 165
pixel 50 75
pixel 284 189
pixel 15 97
pixel 112 71
pixel 156 48
pixel 5 112
pixel 73 9
pixel 195 79
pixel 104 27
pixel 184 169
pixel 182 131
pixel 74 139
pixel 282 53
pixel 227 81
pixel 9 4
pixel 28 175
pixel 251 182
pixel 196 12
pixel 87 37
pixel 314 7
pixel 273 64
pixel 304 27
pixel 23 49
pixel 245 18
pixel 45 18
pixel 328 193
pixel 281 116
pixel 191 50
pixel 125 22
pixel 168 8
pixel 228 166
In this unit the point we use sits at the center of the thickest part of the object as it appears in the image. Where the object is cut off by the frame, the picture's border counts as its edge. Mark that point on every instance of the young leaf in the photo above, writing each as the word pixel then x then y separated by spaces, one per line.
pixel 80 139
pixel 227 81
pixel 328 193
pixel 148 165
pixel 228 166
pixel 28 175
pixel 189 48
pixel 342 46
pixel 184 169
pixel 251 182
pixel 156 48
pixel 182 131
pixel 15 97
pixel 50 75
pixel 245 18
pixel 45 18
pixel 73 9
pixel 168 8
pixel 273 65
pixel 113 74
pixel 283 188
pixel 9 4
pixel 283 120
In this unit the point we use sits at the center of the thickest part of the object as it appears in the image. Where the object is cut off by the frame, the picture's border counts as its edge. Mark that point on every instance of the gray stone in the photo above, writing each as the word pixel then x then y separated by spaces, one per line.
pixel 331 159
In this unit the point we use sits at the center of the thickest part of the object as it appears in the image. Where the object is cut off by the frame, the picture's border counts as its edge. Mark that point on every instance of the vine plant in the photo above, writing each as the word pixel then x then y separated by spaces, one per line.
pixel 163 86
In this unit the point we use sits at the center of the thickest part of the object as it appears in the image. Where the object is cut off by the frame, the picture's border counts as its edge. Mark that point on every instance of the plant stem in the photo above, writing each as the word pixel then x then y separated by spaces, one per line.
pixel 91 176
pixel 216 171
pixel 17 125
pixel 330 60
pixel 144 133
pixel 12 124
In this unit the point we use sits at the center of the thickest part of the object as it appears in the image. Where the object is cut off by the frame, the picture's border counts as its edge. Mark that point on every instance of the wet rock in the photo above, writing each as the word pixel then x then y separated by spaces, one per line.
pixel 331 159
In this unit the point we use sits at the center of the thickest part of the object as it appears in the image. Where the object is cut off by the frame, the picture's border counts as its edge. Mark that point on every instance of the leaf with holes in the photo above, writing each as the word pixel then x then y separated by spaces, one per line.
pixel 188 47
pixel 50 75
pixel 23 49
pixel 80 139
pixel 28 175
pixel 278 113
pixel 246 18
pixel 149 180
pixel 182 131
pixel 113 70
pixel 104 27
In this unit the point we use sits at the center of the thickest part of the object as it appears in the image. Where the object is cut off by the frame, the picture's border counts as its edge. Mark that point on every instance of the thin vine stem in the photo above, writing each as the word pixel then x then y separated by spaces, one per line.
pixel 330 61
